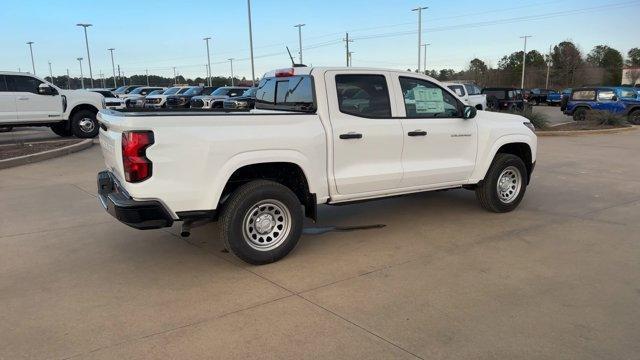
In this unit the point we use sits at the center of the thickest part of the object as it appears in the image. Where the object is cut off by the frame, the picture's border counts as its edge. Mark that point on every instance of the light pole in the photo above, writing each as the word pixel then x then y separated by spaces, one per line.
pixel 33 64
pixel 50 73
pixel 231 62
pixel 208 60
pixel 86 40
pixel 419 10
pixel 351 58
pixel 524 58
pixel 299 26
pixel 113 67
pixel 253 73
pixel 546 84
pixel 424 58
pixel 68 80
pixel 347 41
pixel 175 81
pixel 81 75
pixel 102 79
pixel 146 71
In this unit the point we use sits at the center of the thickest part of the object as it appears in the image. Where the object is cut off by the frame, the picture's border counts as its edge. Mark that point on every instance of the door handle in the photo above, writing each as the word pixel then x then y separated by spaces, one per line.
pixel 417 133
pixel 351 135
pixel 23 98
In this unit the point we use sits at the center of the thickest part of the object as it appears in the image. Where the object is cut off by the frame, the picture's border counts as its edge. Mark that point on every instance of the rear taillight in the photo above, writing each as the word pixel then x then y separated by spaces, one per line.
pixel 137 167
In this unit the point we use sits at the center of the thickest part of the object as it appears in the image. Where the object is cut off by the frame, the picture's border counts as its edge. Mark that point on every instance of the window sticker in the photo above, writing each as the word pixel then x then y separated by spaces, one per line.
pixel 428 100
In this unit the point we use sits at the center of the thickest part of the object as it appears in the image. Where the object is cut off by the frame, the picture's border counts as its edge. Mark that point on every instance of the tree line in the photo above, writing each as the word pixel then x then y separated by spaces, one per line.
pixel 566 66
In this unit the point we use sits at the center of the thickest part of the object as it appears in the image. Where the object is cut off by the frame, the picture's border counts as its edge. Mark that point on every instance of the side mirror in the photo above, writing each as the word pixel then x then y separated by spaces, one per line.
pixel 614 98
pixel 45 89
pixel 469 112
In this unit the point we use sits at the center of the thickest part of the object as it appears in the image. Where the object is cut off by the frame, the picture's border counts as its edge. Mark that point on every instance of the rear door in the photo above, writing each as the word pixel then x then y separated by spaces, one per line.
pixel 31 106
pixel 367 139
pixel 8 112
pixel 439 144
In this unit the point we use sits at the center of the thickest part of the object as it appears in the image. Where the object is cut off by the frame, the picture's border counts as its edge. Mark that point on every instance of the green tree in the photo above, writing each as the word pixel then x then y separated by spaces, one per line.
pixel 633 57
pixel 610 60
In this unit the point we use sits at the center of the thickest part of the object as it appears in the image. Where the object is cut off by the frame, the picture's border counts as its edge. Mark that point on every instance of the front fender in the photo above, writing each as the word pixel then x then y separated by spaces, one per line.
pixel 485 159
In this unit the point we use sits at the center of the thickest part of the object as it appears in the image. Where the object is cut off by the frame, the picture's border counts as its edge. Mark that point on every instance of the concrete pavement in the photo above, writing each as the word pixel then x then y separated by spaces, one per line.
pixel 557 278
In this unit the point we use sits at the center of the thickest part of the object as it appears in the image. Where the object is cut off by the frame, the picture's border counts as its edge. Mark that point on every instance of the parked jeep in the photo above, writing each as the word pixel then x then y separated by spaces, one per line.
pixel 622 101
pixel 509 99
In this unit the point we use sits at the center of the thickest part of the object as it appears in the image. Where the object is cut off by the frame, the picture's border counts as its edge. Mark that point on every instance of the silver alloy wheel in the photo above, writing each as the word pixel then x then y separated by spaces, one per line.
pixel 86 125
pixel 266 225
pixel 509 184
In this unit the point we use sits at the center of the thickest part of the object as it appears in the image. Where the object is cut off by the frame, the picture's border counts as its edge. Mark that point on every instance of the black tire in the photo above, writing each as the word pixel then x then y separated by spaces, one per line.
pixel 61 129
pixel 244 205
pixel 487 189
pixel 4 129
pixel 580 114
pixel 84 124
pixel 634 117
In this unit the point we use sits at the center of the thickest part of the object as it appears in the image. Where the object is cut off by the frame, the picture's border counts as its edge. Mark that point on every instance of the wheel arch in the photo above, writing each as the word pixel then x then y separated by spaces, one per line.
pixel 79 107
pixel 520 145
pixel 287 168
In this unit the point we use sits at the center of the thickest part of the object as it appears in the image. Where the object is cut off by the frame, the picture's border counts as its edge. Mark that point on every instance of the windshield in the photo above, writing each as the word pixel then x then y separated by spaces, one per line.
pixel 121 89
pixel 458 89
pixel 137 91
pixel 221 91
pixel 250 92
pixel 293 93
pixel 156 92
pixel 628 94
pixel 193 91
pixel 183 90
pixel 171 91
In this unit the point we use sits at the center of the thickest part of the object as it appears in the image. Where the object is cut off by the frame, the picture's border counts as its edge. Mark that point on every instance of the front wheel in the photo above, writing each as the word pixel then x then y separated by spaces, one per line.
pixel 261 222
pixel 84 124
pixel 504 185
pixel 634 117
pixel 580 114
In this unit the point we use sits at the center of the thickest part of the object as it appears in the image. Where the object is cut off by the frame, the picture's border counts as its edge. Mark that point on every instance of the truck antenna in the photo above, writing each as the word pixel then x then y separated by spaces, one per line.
pixel 293 63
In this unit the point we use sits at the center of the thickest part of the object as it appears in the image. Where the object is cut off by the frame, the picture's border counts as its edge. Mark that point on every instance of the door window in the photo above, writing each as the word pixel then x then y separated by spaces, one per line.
pixel 458 89
pixel 606 95
pixel 363 95
pixel 23 83
pixel 3 84
pixel 584 95
pixel 423 99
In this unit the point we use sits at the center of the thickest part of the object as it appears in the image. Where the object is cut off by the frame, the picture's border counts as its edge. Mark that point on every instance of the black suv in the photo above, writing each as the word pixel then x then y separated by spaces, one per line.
pixel 183 100
pixel 246 101
pixel 537 96
pixel 501 98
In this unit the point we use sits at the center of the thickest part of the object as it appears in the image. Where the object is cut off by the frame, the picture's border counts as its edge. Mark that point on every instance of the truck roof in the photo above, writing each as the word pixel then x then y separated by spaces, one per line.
pixel 307 70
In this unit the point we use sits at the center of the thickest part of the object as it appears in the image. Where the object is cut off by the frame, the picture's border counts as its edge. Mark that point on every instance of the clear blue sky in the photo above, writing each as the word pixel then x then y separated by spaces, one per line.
pixel 160 34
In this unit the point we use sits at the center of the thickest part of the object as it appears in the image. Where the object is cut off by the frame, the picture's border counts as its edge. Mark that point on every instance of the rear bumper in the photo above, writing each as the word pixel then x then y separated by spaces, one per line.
pixel 146 214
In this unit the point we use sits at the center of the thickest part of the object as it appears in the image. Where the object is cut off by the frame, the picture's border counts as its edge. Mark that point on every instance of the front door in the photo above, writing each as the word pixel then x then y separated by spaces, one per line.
pixel 367 140
pixel 7 103
pixel 31 106
pixel 440 146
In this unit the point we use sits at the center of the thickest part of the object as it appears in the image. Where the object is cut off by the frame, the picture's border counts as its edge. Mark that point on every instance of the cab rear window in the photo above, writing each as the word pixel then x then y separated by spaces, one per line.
pixel 293 93
pixel 584 95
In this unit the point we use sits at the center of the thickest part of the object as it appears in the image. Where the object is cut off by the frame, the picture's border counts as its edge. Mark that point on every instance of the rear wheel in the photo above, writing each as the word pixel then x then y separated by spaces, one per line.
pixel 634 117
pixel 261 222
pixel 61 129
pixel 580 114
pixel 84 124
pixel 504 185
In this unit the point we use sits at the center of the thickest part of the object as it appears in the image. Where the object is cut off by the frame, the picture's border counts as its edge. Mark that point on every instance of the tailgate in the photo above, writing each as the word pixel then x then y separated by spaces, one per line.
pixel 110 142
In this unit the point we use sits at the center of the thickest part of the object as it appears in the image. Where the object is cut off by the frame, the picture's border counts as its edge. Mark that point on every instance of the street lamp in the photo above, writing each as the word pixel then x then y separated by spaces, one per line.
pixel 424 58
pixel 231 61
pixel 419 10
pixel 253 73
pixel 33 65
pixel 81 75
pixel 86 40
pixel 113 66
pixel 299 26
pixel 524 58
pixel 208 60
pixel 50 73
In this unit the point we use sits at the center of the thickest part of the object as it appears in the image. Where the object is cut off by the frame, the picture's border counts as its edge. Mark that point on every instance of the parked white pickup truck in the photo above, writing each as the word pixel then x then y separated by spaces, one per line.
pixel 469 93
pixel 27 100
pixel 317 136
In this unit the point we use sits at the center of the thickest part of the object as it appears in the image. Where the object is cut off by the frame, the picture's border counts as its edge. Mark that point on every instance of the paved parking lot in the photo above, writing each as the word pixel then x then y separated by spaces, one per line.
pixel 559 278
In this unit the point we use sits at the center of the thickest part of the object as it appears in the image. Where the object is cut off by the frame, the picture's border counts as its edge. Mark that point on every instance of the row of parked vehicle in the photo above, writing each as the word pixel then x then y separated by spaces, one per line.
pixel 179 97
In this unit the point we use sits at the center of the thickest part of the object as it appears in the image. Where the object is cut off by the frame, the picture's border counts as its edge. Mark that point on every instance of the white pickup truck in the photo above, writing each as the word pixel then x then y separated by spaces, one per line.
pixel 469 93
pixel 27 100
pixel 317 136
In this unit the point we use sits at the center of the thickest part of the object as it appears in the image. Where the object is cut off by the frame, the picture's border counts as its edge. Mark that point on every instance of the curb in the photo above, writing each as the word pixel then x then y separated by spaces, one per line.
pixel 45 155
pixel 584 132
